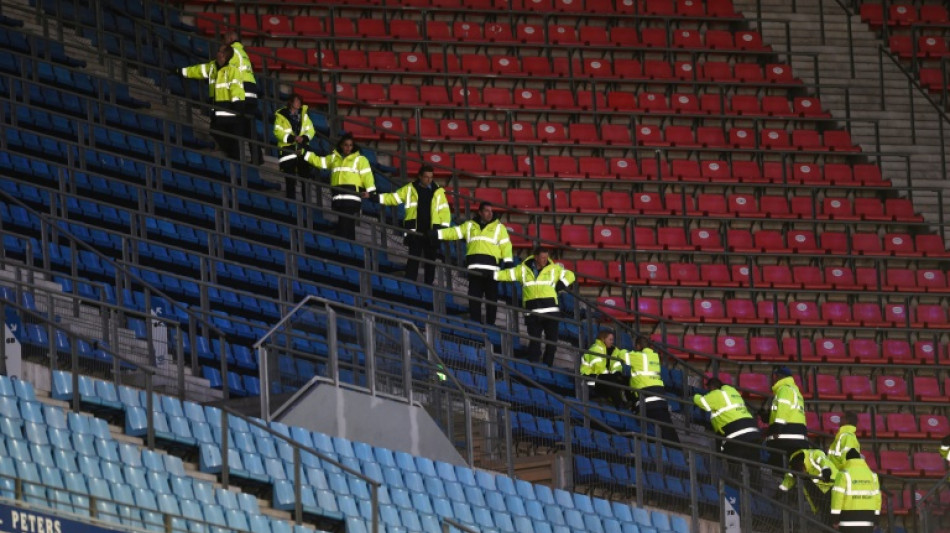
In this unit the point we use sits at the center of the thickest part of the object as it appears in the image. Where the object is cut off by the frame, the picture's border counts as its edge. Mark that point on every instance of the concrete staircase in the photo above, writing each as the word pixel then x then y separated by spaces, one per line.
pixel 897 133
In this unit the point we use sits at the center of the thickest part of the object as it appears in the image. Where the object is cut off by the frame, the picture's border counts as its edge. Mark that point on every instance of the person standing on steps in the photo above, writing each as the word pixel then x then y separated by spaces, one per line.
pixel 647 383
pixel 243 63
pixel 488 245
pixel 846 439
pixel 293 130
pixel 732 421
pixel 427 209
pixel 351 180
pixel 541 280
pixel 856 496
pixel 787 430
pixel 228 104
pixel 602 366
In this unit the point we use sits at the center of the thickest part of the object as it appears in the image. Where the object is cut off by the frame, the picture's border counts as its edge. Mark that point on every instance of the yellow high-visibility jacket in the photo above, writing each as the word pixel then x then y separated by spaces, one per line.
pixel 285 133
pixel 228 92
pixel 856 495
pixel 597 361
pixel 539 290
pixel 352 174
pixel 644 368
pixel 724 405
pixel 845 440
pixel 487 243
pixel 408 195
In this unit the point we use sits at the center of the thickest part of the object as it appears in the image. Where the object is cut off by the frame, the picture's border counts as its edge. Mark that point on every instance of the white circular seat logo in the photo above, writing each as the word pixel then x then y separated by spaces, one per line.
pixel 897 240
pixel 932 422
pixel 740 200
pixel 274 21
pixel 503 62
pixel 412 58
pixel 806 103
pixel 645 130
pixel 483 127
pixel 651 97
pixel 704 234
pixel 773 135
pixel 836 204
pixel 686 67
pixel 527 95
pixel 931 41
pixel 621 164
pixel 835 419
pixel 527 161
pixel 453 126
pixel 778 70
pixel 927 348
pixel 683 99
pixel 889 382
pixel 517 127
pixel 549 129
pixel 929 275
pixel 685 34
pixel 746 37
pixel 902 10
pixel 730 343
pixel 805 169
pixel 595 64
pixel 897 310
pixel 744 271
pixel 651 268
pixel 529 30
pixel 560 29
pixel 610 301
pixel 799 238
pixel 742 134
pixel 339 88
pixel 705 305
pixel 605 233
pixel 803 307
pixel 837 273
pixel 436 158
pixel 387 124
pixel 643 198
pixel 714 166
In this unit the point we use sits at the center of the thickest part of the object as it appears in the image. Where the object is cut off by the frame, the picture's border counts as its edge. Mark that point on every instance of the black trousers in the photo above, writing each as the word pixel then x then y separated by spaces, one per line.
pixel 659 411
pixel 250 131
pixel 346 225
pixel 610 388
pixel 420 245
pixel 296 170
pixel 786 447
pixel 481 284
pixel 538 324
pixel 226 131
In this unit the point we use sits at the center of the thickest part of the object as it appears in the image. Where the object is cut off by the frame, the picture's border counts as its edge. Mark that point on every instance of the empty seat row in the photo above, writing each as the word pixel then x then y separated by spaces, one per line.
pixel 470 32
pixel 615 237
pixel 656 273
pixel 481 65
pixel 472 95
pixel 766 311
pixel 927 46
pixel 591 202
pixel 548 132
pixel 579 8
pixel 650 168
pixel 828 387
pixel 902 14
pixel 917 427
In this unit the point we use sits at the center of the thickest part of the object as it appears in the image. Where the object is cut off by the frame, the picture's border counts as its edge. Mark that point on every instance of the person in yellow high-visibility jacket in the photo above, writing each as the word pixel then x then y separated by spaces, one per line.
pixel 228 104
pixel 541 280
pixel 351 180
pixel 646 381
pixel 856 496
pixel 820 473
pixel 787 430
pixel 602 365
pixel 945 447
pixel 427 209
pixel 243 63
pixel 293 130
pixel 487 245
pixel 846 439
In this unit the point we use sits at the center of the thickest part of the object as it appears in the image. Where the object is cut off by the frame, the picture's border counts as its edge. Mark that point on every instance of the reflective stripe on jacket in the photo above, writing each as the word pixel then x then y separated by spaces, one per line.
pixel 856 489
pixel 228 93
pixel 644 368
pixel 487 243
pixel 788 406
pixel 202 71
pixel 815 462
pixel 408 196
pixel 351 172
pixel 538 294
pixel 595 361
pixel 845 440
pixel 724 405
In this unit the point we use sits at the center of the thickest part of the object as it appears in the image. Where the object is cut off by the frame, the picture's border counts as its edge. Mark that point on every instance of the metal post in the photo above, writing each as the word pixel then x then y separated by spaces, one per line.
pixel 225 477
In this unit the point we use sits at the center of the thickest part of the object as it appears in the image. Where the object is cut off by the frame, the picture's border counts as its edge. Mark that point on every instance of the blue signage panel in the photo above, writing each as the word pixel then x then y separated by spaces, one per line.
pixel 17 520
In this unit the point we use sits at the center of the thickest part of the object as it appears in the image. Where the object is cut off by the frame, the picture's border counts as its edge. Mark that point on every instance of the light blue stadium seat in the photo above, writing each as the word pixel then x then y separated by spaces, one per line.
pixel 65 460
pixel 433 486
pixel 54 417
pixel 430 523
pixel 642 517
pixel 31 411
pixel 612 525
pixel 455 492
pixel 591 523
pixel 182 486
pixel 542 527
pixel 158 482
pixel 483 517
pixel 89 466
pixel 236 520
pixel 258 523
pixel 554 514
pixel 425 466
pixel 193 412
pixel 62 386
pixel 660 520
pixel 584 503
pixel 679 524
pixel 9 408
pixel 24 389
pixel 343 447
pixel 191 510
pixel 59 438
pixel 130 454
pixel 107 396
pixel 112 472
pixel 544 494
pixel 134 476
pixel 622 511
pixel 474 495
pixel 36 433
pixel 445 471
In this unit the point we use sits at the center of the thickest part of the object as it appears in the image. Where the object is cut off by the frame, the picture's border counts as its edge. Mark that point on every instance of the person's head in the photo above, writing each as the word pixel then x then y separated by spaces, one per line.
pixel 232 37
pixel 485 212
pixel 225 53
pixel 780 372
pixel 640 343
pixel 713 383
pixel 346 145
pixel 607 337
pixel 541 256
pixel 295 102
pixel 853 453
pixel 850 418
pixel 426 174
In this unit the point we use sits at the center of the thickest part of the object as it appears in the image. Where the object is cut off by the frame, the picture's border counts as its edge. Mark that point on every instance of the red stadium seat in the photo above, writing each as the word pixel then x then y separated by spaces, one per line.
pixel 865 426
pixel 611 237
pixel 743 274
pixel 705 239
pixel 644 238
pixel 795 348
pixel 742 311
pixel 858 388
pixel 647 306
pixel 774 206
pixel 651 102
pixel 748 72
pixel 897 463
pixel 930 464
pixel 927 389
pixel 933 14
pixel 773 139
pixel 716 275
pixel 837 314
pixel 698 346
pixel 778 73
pixel 898 351
pixel 766 349
pixel 720 40
pixel 931 280
pixel 593 35
pixel 808 107
pixel 778 276
pixel 710 311
pixel 596 168
pixel 690 8
pixel 901 15
pixel 840 278
pixel 839 141
pixel 712 205
pixel 685 274
pixel 832 350
pixel 586 202
pixel 935 426
pixel 678 309
pixel 590 271
pixel 805 313
pixel 930 245
pixel 648 203
pixel 413 62
pixel 615 134
pixel 868 315
pixel 809 276
pixel 685 103
pixel 830 422
pixel 892 388
pixel 618 202
pixel 771 311
pixel 901 425
pixel 759 385
pixel 614 307
pixel 828 387
pixel 776 106
pixel 654 273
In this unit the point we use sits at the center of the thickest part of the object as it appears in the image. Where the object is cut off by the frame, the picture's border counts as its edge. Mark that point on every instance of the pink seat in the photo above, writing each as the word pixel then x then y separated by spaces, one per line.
pixel 685 274
pixel 837 314
pixel 614 307
pixel 898 351
pixel 705 239
pixel 832 350
pixel 795 348
pixel 930 464
pixel 931 280
pixel 742 311
pixel 840 278
pixel 931 315
pixel 716 275
pixel 710 311
pixel 805 313
pixel 864 425
pixel 828 388
pixel 733 347
pixel 830 422
pixel 897 463
pixel 672 239
pixel 900 279
pixel 935 426
pixel 699 346
pixel 901 425
pixel 899 244
pixel 858 388
pixel 892 388
pixel 678 309
pixel 759 384
pixel 868 314
pixel 927 389
pixel 654 273
pixel 772 311
pixel 766 349
pixel 646 305
pixel 930 245
pixel 590 271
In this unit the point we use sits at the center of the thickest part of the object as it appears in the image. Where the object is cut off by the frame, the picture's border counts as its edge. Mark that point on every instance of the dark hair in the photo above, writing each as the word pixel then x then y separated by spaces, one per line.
pixel 294 96
pixel 713 383
pixel 850 418
pixel 483 205
pixel 602 334
pixel 345 137
pixel 425 168
pixel 853 453
pixel 540 250
pixel 228 52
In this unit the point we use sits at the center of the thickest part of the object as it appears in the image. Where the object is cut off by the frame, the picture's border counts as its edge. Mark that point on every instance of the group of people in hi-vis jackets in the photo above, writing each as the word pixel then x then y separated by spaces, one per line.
pixel 839 485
